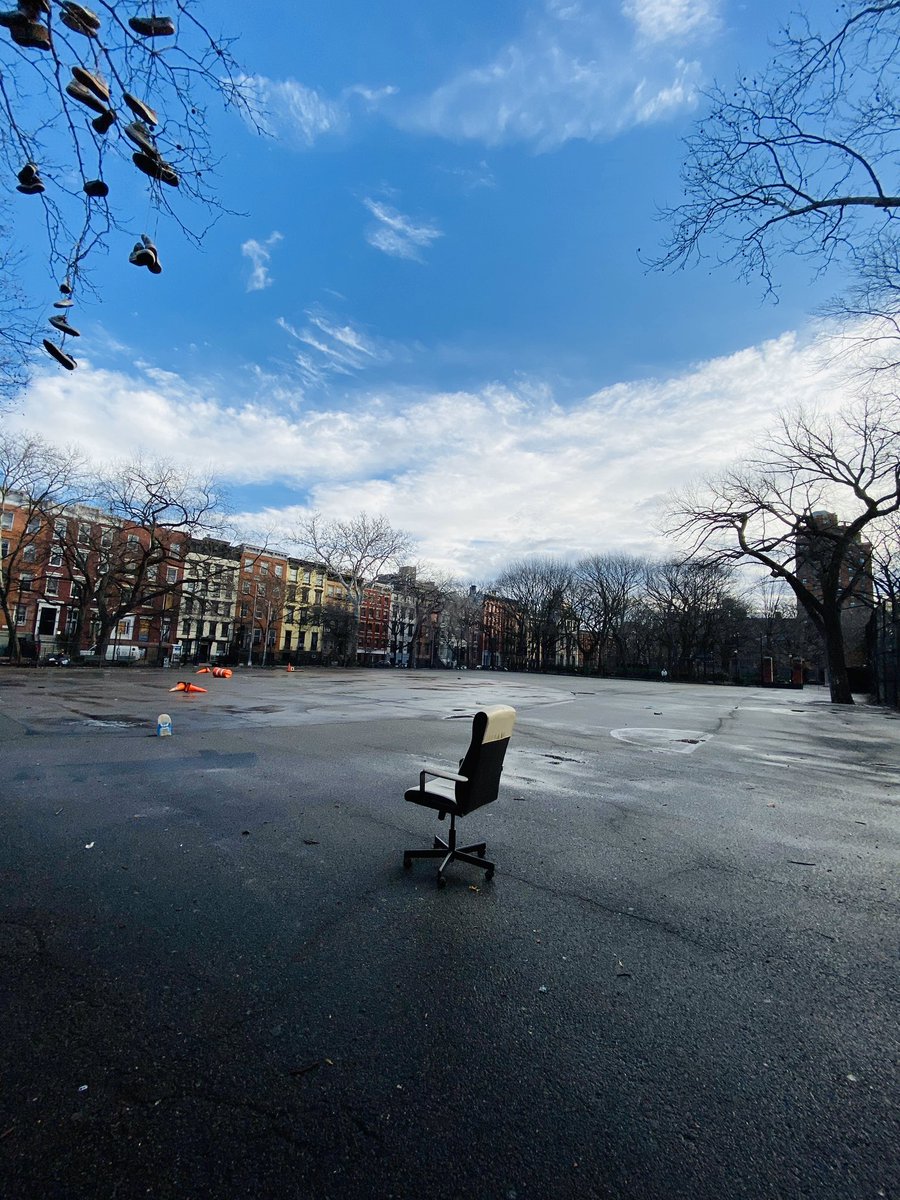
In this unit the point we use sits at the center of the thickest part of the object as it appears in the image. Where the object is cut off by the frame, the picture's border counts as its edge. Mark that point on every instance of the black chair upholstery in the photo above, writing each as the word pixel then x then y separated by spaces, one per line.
pixel 459 792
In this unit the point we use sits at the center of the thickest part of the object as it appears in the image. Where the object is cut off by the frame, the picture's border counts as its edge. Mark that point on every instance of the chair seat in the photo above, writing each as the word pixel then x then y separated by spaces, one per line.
pixel 440 794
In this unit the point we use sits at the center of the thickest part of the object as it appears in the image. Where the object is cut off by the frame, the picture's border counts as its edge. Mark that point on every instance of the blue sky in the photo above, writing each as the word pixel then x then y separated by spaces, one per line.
pixel 432 303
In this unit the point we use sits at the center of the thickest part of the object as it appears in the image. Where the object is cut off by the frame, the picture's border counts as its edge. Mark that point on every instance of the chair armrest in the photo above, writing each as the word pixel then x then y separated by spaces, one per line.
pixel 440 773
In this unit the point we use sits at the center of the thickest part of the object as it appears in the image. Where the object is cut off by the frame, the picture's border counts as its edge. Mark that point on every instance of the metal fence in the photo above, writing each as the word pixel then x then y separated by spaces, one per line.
pixel 884 654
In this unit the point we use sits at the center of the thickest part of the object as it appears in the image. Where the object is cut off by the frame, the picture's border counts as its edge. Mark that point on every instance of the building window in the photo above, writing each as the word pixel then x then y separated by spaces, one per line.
pixel 150 575
pixel 225 630
pixel 6 522
pixel 245 610
pixel 278 569
pixel 56 557
pixel 263 568
pixel 171 574
pixel 25 583
pixel 106 538
pixel 20 614
pixel 245 587
pixel 185 628
pixel 84 535
pixel 52 588
pixel 4 548
pixel 287 640
pixel 33 525
pixel 314 640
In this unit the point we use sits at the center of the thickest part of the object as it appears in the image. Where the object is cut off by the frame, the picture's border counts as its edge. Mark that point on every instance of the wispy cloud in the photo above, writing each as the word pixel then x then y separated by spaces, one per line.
pixel 396 234
pixel 259 254
pixel 329 346
pixel 470 179
pixel 672 20
pixel 574 71
pixel 470 473
pixel 289 110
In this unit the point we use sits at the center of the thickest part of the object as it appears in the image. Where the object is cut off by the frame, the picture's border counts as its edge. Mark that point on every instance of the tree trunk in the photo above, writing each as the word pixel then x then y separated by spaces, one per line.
pixel 13 649
pixel 104 634
pixel 838 679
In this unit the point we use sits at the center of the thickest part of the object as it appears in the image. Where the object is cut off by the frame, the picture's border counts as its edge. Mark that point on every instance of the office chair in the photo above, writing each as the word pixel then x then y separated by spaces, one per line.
pixel 476 783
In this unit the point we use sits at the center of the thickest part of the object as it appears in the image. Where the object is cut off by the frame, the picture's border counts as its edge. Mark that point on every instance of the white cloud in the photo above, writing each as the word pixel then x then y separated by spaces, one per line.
pixel 478 476
pixel 398 235
pixel 574 71
pixel 329 346
pixel 287 109
pixel 672 20
pixel 259 254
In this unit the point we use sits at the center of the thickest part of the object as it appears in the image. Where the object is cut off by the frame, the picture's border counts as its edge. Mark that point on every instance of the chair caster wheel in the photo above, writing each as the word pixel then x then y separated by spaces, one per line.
pixel 407 863
pixel 441 881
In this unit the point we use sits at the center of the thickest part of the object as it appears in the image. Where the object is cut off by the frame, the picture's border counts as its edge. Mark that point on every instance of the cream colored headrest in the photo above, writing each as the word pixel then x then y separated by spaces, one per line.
pixel 501 719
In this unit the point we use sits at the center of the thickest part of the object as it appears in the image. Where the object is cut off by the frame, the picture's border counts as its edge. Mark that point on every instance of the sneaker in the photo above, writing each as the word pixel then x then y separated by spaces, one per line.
pixel 65 360
pixel 151 27
pixel 141 255
pixel 30 189
pixel 63 303
pixel 84 96
pixel 138 133
pixel 141 110
pixel 62 324
pixel 97 189
pixel 31 35
pixel 156 168
pixel 79 19
pixel 29 174
pixel 66 287
pixel 93 82
pixel 103 123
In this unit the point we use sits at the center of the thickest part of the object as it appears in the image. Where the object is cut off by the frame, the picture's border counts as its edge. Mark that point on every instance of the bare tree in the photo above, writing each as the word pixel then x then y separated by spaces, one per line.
pixel 767 509
pixel 802 157
pixel 89 97
pixel 129 552
pixel 540 590
pixel 37 481
pixel 354 552
pixel 604 589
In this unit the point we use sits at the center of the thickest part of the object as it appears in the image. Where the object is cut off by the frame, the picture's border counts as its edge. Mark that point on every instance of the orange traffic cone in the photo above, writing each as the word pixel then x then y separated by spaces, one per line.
pixel 222 672
pixel 186 687
pixel 203 671
pixel 289 667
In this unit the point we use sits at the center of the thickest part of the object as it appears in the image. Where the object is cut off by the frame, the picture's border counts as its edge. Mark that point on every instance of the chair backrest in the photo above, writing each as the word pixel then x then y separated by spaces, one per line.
pixel 483 763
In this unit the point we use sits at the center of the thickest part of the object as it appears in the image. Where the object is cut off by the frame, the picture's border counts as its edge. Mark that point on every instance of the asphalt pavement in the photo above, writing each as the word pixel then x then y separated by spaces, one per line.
pixel 217 980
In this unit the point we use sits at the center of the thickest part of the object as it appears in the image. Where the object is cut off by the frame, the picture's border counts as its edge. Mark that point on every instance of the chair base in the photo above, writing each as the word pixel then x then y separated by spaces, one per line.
pixel 449 852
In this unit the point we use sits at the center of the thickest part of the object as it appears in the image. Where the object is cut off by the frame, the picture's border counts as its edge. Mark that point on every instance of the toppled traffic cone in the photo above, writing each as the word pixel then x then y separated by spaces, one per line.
pixel 203 671
pixel 181 686
pixel 222 672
